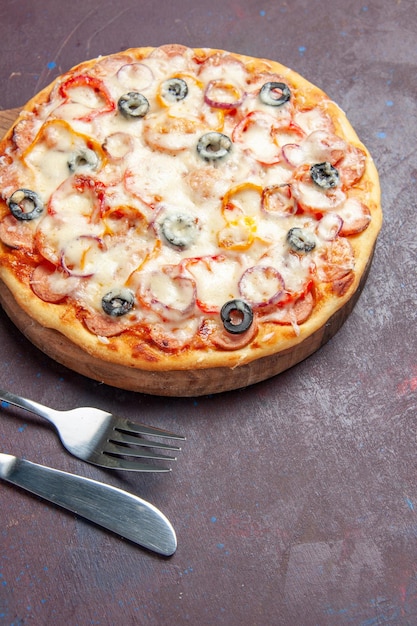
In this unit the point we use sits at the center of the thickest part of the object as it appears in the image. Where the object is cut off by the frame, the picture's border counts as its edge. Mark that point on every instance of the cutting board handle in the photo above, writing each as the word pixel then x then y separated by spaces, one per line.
pixel 7 117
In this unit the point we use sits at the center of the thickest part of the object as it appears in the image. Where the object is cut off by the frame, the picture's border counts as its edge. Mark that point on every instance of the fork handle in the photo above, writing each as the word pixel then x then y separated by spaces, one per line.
pixel 24 403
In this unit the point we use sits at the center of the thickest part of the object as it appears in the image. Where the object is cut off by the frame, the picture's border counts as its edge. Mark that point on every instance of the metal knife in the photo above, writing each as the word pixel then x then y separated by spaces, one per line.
pixel 110 507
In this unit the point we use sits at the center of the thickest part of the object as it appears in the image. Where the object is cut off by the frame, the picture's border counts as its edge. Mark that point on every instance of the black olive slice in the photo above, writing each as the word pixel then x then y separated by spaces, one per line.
pixel 174 89
pixel 179 230
pixel 300 240
pixel 275 94
pixel 133 105
pixel 25 204
pixel 324 175
pixel 237 316
pixel 83 159
pixel 118 302
pixel 213 146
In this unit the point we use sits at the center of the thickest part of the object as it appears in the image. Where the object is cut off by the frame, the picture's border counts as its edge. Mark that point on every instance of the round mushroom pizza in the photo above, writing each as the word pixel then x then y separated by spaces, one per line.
pixel 182 221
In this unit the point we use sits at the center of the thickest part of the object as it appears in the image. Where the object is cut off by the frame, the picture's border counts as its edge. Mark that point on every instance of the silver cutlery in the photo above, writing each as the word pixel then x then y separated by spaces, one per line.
pixel 119 511
pixel 103 439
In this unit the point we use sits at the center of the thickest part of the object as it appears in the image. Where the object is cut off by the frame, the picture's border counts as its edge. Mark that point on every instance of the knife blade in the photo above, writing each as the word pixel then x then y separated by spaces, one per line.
pixel 110 507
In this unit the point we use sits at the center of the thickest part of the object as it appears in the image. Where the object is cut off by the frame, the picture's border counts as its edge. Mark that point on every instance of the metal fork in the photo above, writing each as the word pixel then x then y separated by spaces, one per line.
pixel 101 438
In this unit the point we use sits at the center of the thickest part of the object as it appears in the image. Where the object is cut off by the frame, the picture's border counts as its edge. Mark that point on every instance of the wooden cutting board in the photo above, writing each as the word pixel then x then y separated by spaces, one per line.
pixel 7 118
pixel 170 383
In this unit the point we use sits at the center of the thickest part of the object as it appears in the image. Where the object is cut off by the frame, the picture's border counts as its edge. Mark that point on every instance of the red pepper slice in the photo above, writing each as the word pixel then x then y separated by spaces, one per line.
pixel 266 125
pixel 84 80
pixel 98 189
pixel 81 184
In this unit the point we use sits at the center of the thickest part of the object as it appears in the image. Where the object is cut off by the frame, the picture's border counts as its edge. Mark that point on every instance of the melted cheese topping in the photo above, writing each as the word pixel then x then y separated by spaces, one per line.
pixel 110 184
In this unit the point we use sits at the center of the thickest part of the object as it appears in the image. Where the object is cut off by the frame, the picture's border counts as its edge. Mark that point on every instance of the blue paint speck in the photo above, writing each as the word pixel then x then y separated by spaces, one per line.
pixel 409 504
pixel 389 103
pixel 301 49
pixel 381 135
pixel 22 428
pixel 213 519
pixel 262 13
pixel 51 65
pixel 220 546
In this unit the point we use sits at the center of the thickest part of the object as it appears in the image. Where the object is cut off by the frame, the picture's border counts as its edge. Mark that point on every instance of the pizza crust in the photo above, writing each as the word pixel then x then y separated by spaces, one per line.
pixel 131 360
pixel 188 382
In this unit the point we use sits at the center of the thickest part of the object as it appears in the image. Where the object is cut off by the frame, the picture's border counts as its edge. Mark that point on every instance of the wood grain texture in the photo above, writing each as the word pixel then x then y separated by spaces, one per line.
pixel 7 118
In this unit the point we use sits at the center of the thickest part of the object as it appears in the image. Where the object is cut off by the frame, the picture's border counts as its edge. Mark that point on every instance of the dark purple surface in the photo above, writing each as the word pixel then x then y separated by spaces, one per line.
pixel 295 500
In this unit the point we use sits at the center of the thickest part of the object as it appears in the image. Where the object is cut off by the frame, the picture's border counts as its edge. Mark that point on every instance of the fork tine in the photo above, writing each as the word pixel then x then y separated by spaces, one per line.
pixel 114 462
pixel 121 437
pixel 140 429
pixel 140 453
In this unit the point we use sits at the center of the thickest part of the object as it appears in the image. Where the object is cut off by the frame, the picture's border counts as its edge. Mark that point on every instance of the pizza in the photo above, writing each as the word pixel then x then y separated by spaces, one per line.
pixel 183 214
